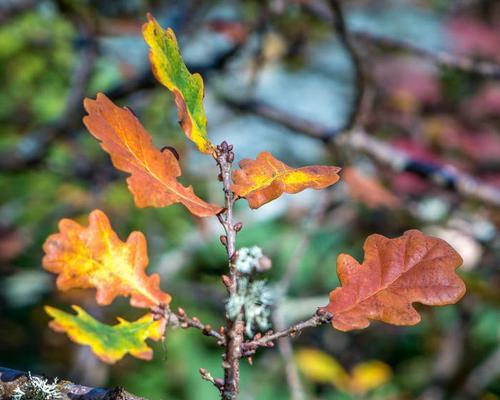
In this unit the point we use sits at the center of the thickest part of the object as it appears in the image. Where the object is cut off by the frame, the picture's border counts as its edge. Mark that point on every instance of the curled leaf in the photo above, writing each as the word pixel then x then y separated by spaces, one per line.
pixel 153 174
pixel 169 68
pixel 394 274
pixel 95 257
pixel 109 343
pixel 266 178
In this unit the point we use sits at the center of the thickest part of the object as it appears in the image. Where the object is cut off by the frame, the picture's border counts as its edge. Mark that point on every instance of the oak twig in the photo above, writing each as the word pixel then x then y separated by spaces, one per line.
pixel 321 317
pixel 180 319
pixel 235 327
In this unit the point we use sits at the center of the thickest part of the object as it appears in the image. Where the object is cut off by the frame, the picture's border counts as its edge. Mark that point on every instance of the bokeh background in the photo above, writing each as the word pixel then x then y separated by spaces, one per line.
pixel 406 100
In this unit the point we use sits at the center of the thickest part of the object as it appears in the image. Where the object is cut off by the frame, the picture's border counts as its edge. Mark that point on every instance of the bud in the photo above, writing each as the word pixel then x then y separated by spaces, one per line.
pixel 230 157
pixel 238 226
pixel 226 280
pixel 206 330
pixel 181 312
pixel 224 146
pixel 223 240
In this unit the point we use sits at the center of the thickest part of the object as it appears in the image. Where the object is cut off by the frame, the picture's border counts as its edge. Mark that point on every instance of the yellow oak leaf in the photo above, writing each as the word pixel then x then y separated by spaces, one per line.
pixel 109 343
pixel 95 257
pixel 266 178
pixel 170 70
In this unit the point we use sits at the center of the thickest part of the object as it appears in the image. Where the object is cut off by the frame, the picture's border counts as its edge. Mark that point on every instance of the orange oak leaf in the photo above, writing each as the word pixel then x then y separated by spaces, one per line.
pixel 368 190
pixel 153 174
pixel 95 257
pixel 394 274
pixel 266 178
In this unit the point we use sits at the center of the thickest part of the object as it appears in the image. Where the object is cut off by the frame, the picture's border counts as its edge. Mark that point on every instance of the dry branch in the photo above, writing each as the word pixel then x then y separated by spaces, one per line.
pixel 10 380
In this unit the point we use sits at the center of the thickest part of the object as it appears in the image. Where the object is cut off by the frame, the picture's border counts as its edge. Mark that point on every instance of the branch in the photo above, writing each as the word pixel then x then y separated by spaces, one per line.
pixel 180 319
pixel 344 36
pixel 442 58
pixel 445 176
pixel 235 328
pixel 321 317
pixel 10 380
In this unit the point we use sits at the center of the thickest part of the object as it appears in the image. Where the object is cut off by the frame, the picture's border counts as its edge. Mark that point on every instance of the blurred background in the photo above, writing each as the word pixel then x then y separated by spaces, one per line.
pixel 404 95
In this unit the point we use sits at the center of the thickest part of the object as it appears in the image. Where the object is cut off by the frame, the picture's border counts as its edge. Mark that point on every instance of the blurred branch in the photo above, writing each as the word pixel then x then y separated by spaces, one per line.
pixel 480 377
pixel 442 58
pixel 296 389
pixel 32 149
pixel 35 146
pixel 10 380
pixel 446 176
pixel 340 27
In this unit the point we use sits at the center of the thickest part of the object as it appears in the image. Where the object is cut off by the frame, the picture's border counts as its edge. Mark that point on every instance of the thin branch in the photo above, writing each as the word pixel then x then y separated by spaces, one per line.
pixel 10 380
pixel 442 58
pixel 344 36
pixel 480 377
pixel 445 176
pixel 235 327
pixel 180 319
pixel 320 318
pixel 446 59
pixel 286 350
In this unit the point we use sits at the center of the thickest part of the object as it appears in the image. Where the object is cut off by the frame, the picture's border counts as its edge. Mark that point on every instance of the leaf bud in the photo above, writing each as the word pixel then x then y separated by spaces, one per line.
pixel 207 329
pixel 223 240
pixel 226 280
pixel 238 226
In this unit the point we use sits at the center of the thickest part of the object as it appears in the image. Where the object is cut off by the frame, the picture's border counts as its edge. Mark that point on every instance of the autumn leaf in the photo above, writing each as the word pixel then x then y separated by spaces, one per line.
pixel 169 68
pixel 153 174
pixel 95 257
pixel 266 178
pixel 367 190
pixel 323 368
pixel 109 343
pixel 394 274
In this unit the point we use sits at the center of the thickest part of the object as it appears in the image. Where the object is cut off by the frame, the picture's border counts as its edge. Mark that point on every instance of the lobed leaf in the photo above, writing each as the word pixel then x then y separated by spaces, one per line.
pixel 266 178
pixel 95 257
pixel 153 174
pixel 109 343
pixel 394 274
pixel 169 68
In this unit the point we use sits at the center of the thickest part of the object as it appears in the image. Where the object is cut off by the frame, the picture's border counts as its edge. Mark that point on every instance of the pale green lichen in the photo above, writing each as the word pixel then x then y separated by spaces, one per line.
pixel 37 388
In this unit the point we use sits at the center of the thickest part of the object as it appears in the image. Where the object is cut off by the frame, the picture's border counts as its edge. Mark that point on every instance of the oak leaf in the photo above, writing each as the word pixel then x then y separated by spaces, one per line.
pixel 95 257
pixel 170 70
pixel 153 179
pixel 266 178
pixel 394 274
pixel 109 343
